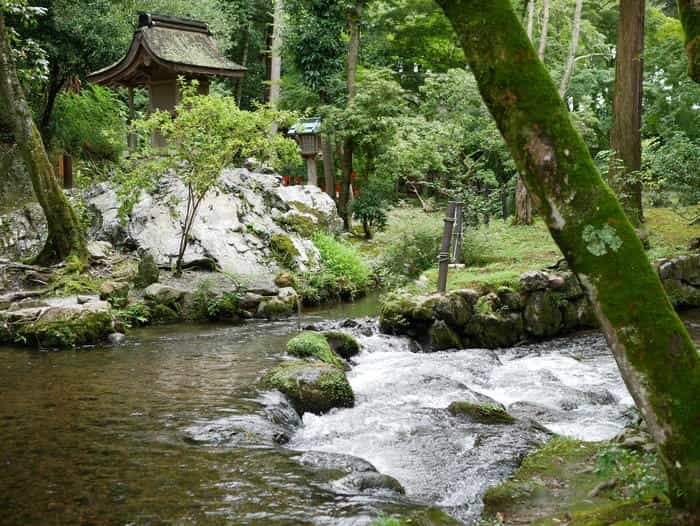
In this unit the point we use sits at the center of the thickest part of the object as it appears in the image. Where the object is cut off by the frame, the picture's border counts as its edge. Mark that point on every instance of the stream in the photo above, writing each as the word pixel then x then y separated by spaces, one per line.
pixel 170 428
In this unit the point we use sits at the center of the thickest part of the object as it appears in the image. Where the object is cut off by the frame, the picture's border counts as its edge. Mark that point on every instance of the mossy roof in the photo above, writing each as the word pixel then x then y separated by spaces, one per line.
pixel 171 46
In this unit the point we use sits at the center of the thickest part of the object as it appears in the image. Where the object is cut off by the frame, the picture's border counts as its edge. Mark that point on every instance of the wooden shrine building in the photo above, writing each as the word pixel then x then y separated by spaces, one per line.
pixel 163 48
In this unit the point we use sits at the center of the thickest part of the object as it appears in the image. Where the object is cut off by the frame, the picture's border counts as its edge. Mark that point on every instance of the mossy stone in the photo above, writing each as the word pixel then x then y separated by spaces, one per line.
pixel 163 314
pixel 313 387
pixel 482 413
pixel 542 315
pixel 495 331
pixel 313 345
pixel 342 343
pixel 147 273
pixel 284 250
pixel 442 337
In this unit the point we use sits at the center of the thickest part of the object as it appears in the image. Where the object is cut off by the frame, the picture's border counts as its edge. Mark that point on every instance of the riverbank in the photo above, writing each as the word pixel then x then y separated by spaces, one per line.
pixel 583 484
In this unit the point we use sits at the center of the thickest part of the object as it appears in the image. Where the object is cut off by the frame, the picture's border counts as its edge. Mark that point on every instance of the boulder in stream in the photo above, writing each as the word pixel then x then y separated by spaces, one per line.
pixel 481 413
pixel 313 345
pixel 312 387
pixel 57 322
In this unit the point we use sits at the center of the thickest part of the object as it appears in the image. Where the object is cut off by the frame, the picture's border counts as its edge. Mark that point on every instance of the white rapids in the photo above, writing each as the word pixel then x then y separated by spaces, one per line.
pixel 399 423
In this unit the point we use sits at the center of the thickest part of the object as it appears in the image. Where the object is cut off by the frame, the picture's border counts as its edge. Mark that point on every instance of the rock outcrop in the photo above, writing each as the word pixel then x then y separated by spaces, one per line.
pixel 247 226
pixel 543 305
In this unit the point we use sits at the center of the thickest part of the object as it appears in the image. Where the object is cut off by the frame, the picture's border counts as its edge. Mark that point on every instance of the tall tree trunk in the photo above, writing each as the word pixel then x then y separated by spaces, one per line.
pixel 276 57
pixel 240 82
pixel 523 204
pixel 655 354
pixel 626 134
pixel 689 11
pixel 354 18
pixel 530 18
pixel 55 85
pixel 328 165
pixel 65 234
pixel 571 59
pixel 545 30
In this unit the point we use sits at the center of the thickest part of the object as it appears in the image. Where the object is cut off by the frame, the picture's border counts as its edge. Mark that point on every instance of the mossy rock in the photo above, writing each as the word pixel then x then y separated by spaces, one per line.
pixel 482 413
pixel 495 331
pixel 273 308
pixel 452 309
pixel 406 314
pixel 62 327
pixel 284 250
pixel 442 337
pixel 147 273
pixel 163 314
pixel 542 316
pixel 302 223
pixel 115 292
pixel 342 343
pixel 313 345
pixel 312 387
pixel 285 279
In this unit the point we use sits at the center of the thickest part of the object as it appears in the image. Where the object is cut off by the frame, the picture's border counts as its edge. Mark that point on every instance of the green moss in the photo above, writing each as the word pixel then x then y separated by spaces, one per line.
pixel 690 18
pixel 315 346
pixel 442 337
pixel 342 343
pixel 314 387
pixel 274 308
pixel 482 413
pixel 283 250
pixel 163 314
pixel 426 517
pixel 86 328
pixel 300 223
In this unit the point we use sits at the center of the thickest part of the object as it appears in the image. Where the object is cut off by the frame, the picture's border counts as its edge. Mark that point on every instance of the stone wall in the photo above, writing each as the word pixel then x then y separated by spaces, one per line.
pixel 545 304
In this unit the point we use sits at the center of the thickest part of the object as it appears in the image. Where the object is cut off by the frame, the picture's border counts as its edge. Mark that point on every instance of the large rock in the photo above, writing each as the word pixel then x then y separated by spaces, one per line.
pixel 163 294
pixel 233 227
pixel 57 322
pixel 312 387
pixel 543 317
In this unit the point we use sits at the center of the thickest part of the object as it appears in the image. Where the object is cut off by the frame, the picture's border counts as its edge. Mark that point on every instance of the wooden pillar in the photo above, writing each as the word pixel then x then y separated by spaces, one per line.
pixel 444 255
pixel 312 174
pixel 131 137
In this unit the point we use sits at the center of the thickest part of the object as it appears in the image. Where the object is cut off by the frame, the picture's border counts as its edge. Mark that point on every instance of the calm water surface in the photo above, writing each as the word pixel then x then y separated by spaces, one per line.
pixel 169 429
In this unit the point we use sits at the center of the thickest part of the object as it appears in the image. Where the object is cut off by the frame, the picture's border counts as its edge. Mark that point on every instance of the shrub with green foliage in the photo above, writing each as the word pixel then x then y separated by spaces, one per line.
pixel 371 205
pixel 343 275
pixel 409 248
pixel 91 123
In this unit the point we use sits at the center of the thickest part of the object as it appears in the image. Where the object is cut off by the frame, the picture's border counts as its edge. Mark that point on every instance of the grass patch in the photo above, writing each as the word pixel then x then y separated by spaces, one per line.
pixel 498 253
pixel 582 484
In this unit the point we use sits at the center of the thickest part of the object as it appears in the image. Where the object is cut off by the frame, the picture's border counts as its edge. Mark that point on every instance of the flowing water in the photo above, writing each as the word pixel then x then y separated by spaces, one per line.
pixel 170 428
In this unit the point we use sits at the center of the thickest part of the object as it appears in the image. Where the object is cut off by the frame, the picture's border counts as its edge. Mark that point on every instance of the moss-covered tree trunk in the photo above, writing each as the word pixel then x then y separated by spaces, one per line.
pixel 65 235
pixel 354 18
pixel 690 17
pixel 626 133
pixel 656 356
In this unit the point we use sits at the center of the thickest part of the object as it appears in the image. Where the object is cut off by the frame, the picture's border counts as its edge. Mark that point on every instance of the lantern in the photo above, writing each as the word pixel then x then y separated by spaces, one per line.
pixel 307 134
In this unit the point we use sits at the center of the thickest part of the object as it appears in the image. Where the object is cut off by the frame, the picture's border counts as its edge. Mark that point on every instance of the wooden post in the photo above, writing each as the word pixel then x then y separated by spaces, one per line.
pixel 458 234
pixel 444 255
pixel 312 175
pixel 131 138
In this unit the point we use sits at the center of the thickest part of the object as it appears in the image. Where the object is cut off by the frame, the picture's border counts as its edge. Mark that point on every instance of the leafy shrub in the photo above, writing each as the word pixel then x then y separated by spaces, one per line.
pixel 91 123
pixel 371 205
pixel 409 250
pixel 673 171
pixel 343 275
